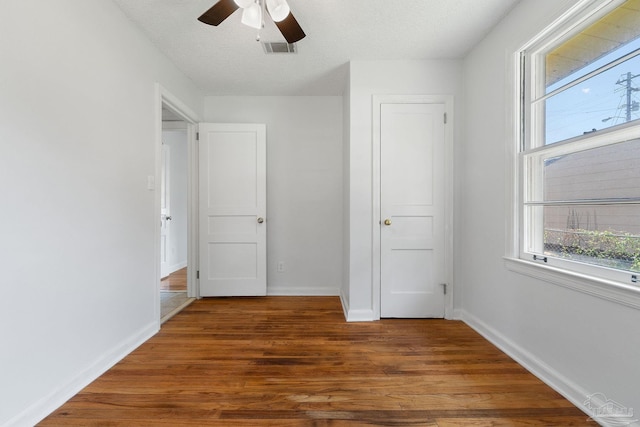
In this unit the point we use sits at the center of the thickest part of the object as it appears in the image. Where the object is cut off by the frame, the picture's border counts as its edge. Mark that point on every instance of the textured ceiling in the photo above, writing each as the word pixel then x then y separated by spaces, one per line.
pixel 226 60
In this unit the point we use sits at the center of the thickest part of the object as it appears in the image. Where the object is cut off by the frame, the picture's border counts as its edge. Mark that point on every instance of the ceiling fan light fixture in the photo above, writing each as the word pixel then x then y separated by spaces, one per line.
pixel 278 9
pixel 244 3
pixel 252 16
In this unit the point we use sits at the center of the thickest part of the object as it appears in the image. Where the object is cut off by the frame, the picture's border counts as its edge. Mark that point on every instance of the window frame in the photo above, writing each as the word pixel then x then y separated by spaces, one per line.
pixel 528 132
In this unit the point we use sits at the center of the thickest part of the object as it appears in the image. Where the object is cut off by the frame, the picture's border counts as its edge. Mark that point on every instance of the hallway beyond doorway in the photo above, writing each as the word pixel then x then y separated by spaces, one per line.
pixel 176 281
pixel 173 294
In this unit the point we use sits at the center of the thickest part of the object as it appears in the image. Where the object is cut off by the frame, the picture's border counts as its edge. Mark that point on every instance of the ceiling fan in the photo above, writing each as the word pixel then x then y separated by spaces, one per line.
pixel 252 13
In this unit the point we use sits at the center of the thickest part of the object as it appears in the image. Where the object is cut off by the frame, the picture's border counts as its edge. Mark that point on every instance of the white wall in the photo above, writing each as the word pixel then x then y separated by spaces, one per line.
pixel 579 343
pixel 304 187
pixel 78 225
pixel 176 139
pixel 368 78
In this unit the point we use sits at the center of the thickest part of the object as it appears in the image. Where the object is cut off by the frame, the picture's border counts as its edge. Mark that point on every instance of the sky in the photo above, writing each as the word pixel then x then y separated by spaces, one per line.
pixel 597 103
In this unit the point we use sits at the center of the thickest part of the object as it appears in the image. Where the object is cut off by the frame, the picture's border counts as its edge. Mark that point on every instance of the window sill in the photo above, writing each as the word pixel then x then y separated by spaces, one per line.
pixel 601 288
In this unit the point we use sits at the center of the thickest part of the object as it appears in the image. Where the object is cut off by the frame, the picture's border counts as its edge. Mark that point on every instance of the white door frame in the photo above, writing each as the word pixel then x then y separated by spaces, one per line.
pixel 166 98
pixel 447 100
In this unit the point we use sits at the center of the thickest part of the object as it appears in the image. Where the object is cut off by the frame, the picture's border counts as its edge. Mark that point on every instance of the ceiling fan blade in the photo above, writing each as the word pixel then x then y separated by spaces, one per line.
pixel 219 12
pixel 290 29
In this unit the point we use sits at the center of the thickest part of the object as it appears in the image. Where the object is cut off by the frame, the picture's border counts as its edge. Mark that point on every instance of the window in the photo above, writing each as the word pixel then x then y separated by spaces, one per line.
pixel 579 157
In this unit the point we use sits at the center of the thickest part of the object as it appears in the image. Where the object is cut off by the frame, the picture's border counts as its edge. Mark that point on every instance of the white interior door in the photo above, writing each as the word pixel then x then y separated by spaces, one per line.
pixel 412 209
pixel 232 210
pixel 165 212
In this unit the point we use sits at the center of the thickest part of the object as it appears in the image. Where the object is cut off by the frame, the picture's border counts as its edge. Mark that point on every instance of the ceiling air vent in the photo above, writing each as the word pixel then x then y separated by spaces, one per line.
pixel 279 47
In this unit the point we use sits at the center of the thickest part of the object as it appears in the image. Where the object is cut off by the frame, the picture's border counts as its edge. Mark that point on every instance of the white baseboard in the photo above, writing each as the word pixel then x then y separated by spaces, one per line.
pixel 176 267
pixel 352 315
pixel 361 316
pixel 554 379
pixel 355 315
pixel 345 304
pixel 45 406
pixel 294 291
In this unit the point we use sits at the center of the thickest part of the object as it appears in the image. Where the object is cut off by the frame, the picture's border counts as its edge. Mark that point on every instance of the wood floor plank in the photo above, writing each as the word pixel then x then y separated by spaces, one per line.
pixel 294 361
pixel 176 281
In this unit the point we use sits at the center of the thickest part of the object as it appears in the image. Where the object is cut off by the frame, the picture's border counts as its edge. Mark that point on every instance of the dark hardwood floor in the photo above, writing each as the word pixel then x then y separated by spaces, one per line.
pixel 294 361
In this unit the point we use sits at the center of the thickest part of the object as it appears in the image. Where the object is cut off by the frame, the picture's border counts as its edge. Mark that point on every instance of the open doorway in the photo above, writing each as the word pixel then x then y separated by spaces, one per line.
pixel 173 215
pixel 176 205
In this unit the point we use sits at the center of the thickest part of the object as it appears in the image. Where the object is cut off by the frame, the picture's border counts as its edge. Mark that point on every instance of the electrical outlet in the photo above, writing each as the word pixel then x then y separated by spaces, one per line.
pixel 280 266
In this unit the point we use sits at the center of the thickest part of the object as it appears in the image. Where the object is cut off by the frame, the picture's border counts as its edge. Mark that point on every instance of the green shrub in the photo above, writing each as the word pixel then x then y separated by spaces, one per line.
pixel 621 249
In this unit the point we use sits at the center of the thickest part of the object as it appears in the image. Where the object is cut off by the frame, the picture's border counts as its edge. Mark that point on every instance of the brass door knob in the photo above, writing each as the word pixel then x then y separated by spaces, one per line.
pixel 387 221
pixel 260 220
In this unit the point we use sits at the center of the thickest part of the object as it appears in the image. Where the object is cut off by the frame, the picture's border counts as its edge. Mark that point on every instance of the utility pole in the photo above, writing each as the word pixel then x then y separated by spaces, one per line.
pixel 626 85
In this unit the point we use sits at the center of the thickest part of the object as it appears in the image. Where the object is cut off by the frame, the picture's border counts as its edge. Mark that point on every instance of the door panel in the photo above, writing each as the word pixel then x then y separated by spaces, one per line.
pixel 232 158
pixel 232 210
pixel 412 235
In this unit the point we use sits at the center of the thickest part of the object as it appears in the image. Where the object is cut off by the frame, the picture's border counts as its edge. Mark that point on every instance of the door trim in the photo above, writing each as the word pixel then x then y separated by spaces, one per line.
pixel 190 117
pixel 378 100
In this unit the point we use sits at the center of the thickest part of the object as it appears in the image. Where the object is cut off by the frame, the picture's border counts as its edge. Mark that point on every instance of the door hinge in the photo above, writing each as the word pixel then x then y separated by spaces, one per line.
pixel 197 136
pixel 445 118
pixel 444 288
pixel 198 274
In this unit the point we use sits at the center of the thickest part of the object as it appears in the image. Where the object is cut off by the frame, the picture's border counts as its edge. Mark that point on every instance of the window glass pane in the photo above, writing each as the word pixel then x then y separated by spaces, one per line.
pixel 592 47
pixel 608 58
pixel 610 172
pixel 604 235
pixel 606 99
